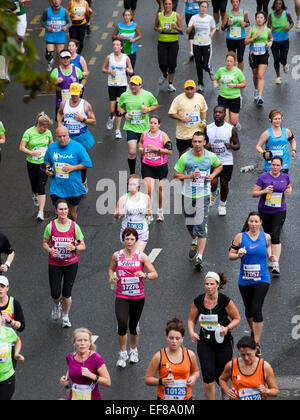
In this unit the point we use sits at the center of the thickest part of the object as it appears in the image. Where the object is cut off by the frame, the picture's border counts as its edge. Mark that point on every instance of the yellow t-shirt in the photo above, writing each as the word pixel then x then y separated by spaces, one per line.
pixel 183 106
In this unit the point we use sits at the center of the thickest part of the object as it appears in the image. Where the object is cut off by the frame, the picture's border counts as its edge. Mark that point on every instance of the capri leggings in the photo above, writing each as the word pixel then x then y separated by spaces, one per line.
pixel 57 274
pixel 167 56
pixel 280 51
pixel 272 224
pixel 254 296
pixel 7 389
pixel 213 358
pixel 128 313
pixel 219 6
pixel 37 177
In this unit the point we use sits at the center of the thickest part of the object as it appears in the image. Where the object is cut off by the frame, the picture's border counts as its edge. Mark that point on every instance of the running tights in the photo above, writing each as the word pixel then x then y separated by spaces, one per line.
pixel 254 296
pixel 128 312
pixel 7 389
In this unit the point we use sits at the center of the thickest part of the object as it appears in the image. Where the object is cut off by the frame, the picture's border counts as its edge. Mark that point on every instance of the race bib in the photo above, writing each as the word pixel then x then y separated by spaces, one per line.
pixel 60 173
pixel 137 117
pixel 274 201
pixel 79 12
pixel 252 272
pixel 199 182
pixel 42 150
pixel 5 355
pixel 260 48
pixel 219 149
pixel 139 227
pixel 150 155
pixel 62 248
pixel 176 392
pixel 209 322
pixel 65 94
pixel 235 32
pixel 249 394
pixel 226 79
pixel 117 79
pixel 81 393
pixel 130 286
pixel 195 118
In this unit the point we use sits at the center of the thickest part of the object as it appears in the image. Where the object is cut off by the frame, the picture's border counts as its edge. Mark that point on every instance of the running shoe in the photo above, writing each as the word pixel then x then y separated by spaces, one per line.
pixel 298 24
pixel 66 323
pixel 286 68
pixel 255 95
pixel 110 123
pixel 238 127
pixel 171 88
pixel 162 80
pixel 133 356
pixel 260 101
pixel 218 26
pixel 200 88
pixel 258 351
pixel 56 312
pixel 123 357
pixel 193 251
pixel 278 81
pixel 50 65
pixel 40 216
pixel 35 200
pixel 222 210
pixel 118 134
pixel 198 263
pixel 160 215
pixel 275 269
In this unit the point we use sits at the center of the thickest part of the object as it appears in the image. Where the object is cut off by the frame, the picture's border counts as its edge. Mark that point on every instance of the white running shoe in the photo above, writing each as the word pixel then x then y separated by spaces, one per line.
pixel 222 210
pixel 35 200
pixel 56 312
pixel 160 215
pixel 133 356
pixel 110 123
pixel 40 216
pixel 286 68
pixel 123 357
pixel 118 134
pixel 255 95
pixel 66 323
pixel 171 88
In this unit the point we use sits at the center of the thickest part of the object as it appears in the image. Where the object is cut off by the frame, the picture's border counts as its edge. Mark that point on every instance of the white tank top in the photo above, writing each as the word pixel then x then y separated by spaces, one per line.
pixel 135 213
pixel 74 127
pixel 120 79
pixel 218 136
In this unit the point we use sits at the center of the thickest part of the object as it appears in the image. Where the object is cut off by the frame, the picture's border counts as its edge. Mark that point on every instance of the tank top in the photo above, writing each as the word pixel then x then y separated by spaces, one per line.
pixel 120 79
pixel 150 157
pixel 246 385
pixel 135 214
pixel 76 61
pixel 254 268
pixel 196 188
pixel 218 136
pixel 56 22
pixel 80 13
pixel 74 127
pixel 64 93
pixel 236 31
pixel 128 285
pixel 128 32
pixel 58 241
pixel 165 23
pixel 278 147
pixel 180 371
pixel 10 310
pixel 279 25
pixel 259 46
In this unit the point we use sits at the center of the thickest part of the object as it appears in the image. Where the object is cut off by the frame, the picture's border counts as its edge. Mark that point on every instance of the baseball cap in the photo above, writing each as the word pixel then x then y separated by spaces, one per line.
pixel 65 54
pixel 75 89
pixel 190 83
pixel 137 80
pixel 4 281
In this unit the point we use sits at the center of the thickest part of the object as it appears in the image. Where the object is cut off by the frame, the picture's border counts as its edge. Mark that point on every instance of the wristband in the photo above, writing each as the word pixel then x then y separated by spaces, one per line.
pixel 149 109
pixel 160 382
pixel 7 264
pixel 294 150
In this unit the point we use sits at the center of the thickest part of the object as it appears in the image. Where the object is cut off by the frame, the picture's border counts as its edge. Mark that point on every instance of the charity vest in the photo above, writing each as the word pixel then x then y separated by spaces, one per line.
pixel 218 136
pixel 10 310
pixel 80 13
pixel 246 386
pixel 74 126
pixel 150 157
pixel 56 22
pixel 259 46
pixel 120 79
pixel 129 286
pixel 236 31
pixel 59 240
pixel 165 23
pixel 278 147
pixel 197 188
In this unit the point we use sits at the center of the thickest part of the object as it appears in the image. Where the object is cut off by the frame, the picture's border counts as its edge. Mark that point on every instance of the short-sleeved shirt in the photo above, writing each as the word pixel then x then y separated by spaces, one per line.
pixel 183 106
pixel 226 77
pixel 37 142
pixel 276 202
pixel 132 104
pixel 7 338
pixel 79 234
pixel 203 27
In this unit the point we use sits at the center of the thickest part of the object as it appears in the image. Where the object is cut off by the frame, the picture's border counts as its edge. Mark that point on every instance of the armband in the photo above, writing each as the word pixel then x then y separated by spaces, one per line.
pixel 235 247
pixel 168 145
pixel 291 138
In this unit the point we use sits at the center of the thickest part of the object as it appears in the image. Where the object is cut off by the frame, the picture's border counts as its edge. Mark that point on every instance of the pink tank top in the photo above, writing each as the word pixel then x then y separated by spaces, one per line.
pixel 129 286
pixel 154 158
pixel 59 240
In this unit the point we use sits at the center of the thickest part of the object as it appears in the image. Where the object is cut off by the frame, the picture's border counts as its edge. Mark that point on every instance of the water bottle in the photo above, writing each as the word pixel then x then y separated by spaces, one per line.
pixel 113 77
pixel 114 285
pixel 249 168
pixel 269 195
pixel 170 375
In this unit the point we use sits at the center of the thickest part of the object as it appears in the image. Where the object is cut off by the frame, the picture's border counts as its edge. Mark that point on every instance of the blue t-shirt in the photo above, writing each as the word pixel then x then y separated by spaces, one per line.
pixel 67 184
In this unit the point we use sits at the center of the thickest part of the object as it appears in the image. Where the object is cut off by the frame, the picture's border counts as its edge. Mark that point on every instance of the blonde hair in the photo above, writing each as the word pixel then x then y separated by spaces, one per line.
pixel 43 119
pixel 84 331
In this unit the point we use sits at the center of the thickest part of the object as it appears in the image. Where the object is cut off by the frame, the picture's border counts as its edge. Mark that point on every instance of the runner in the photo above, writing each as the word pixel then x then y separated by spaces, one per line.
pixel 22 21
pixel 6 248
pixel 193 168
pixel 271 188
pixel 204 28
pixel 263 5
pixel 129 32
pixel 76 59
pixel 235 21
pixel 253 247
pixel 34 144
pixel 76 114
pixel 155 147
pixel 260 39
pixel 276 140
pixel 190 111
pixel 131 5
pixel 67 159
pixel 280 22
pixel 176 366
pixel 79 12
pixel 222 139
pixel 192 8
pixel 135 207
pixel 63 76
pixel 10 309
pixel 230 80
pixel 2 138
pixel 56 21
pixel 251 378
pixel 135 106
pixel 129 264
pixel 116 66
pixel 218 316
pixel 8 338
pixel 86 369
pixel 168 24
pixel 219 7
pixel 63 240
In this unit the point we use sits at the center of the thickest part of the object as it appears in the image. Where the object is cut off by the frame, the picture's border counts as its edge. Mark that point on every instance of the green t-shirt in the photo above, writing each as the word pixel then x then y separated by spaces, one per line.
pixel 37 142
pixel 132 104
pixel 21 8
pixel 79 234
pixel 225 77
pixel 2 130
pixel 54 73
pixel 7 338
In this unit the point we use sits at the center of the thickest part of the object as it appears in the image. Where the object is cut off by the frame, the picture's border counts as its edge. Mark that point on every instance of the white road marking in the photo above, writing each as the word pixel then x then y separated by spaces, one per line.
pixel 95 338
pixel 154 254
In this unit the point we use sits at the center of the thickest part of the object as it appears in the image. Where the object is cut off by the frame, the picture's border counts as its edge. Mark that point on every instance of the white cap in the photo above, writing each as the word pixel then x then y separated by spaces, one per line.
pixel 4 281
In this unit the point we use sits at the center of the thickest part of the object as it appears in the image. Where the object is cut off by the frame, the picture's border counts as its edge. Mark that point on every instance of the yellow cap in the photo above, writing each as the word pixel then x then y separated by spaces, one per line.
pixel 136 80
pixel 190 83
pixel 75 89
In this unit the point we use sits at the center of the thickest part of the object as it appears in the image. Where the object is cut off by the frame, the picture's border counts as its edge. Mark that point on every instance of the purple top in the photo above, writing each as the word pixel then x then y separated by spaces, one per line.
pixel 276 203
pixel 63 92
pixel 93 363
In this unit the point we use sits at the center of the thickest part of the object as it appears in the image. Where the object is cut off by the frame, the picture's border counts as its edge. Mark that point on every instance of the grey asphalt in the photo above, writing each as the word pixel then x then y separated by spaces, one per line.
pixel 45 344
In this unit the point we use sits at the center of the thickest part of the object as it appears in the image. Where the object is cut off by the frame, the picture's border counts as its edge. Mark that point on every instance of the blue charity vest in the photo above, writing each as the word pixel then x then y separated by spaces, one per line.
pixel 196 188
pixel 56 21
pixel 278 147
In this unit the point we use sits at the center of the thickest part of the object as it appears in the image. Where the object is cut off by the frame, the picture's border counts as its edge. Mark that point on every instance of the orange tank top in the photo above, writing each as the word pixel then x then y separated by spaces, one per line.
pixel 181 372
pixel 246 385
pixel 79 13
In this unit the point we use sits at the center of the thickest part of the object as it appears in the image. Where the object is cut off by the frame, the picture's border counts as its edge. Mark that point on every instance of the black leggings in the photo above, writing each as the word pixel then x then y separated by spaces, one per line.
pixel 272 224
pixel 167 56
pixel 7 389
pixel 280 51
pixel 128 310
pixel 202 57
pixel 263 5
pixel 37 177
pixel 213 358
pixel 78 32
pixel 254 296
pixel 57 274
